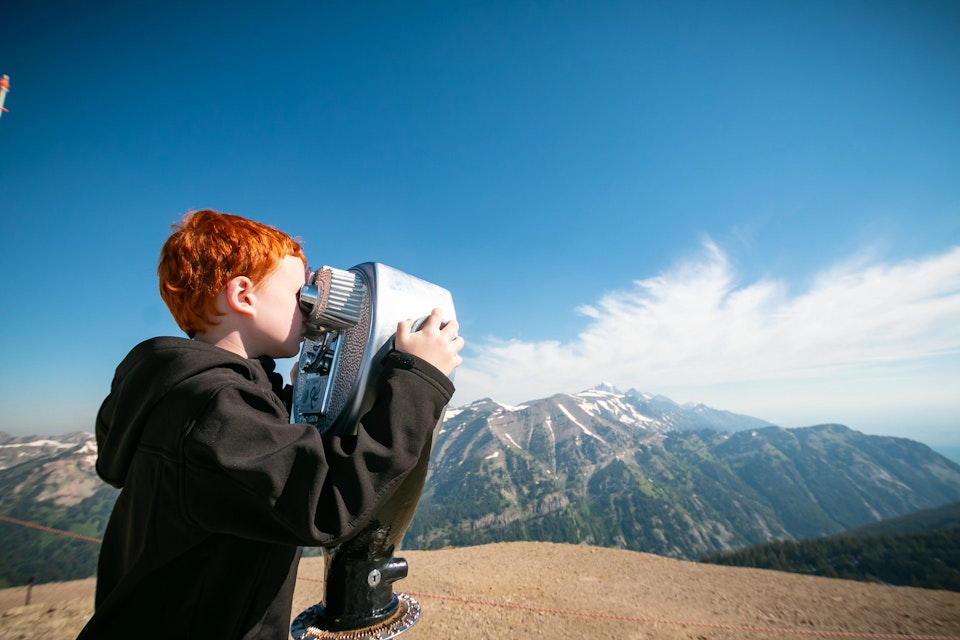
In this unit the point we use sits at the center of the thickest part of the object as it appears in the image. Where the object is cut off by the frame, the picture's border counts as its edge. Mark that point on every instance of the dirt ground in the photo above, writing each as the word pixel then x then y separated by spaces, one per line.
pixel 537 590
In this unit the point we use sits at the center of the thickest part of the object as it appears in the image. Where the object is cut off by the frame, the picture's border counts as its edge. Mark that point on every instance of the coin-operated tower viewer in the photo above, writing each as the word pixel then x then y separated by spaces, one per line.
pixel 351 317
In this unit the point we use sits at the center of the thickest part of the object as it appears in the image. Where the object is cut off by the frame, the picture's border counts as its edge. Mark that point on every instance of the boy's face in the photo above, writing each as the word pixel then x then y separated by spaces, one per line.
pixel 279 322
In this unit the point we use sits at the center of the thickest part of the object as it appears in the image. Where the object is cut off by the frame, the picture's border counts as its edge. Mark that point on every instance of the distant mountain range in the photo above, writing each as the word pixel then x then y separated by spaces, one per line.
pixel 951 452
pixel 604 467
pixel 626 469
pixel 50 482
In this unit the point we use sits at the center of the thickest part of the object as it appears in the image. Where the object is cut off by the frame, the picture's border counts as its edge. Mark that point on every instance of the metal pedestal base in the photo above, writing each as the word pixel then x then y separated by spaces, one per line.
pixel 313 624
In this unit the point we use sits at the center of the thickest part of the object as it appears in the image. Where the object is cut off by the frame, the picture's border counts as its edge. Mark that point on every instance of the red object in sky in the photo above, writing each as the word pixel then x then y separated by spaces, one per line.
pixel 4 89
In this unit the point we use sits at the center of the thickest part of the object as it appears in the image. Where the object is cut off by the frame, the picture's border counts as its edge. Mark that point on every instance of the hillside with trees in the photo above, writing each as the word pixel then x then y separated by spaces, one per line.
pixel 919 550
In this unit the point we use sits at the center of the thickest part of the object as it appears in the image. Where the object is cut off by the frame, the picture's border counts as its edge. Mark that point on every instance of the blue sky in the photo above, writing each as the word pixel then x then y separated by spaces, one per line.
pixel 754 205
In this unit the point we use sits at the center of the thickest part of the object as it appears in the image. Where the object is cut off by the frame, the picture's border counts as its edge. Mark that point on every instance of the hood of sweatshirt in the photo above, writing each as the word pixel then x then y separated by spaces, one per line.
pixel 149 372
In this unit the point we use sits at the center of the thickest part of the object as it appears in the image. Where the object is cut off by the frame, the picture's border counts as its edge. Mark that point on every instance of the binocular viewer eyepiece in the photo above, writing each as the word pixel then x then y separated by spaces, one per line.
pixel 351 319
pixel 333 300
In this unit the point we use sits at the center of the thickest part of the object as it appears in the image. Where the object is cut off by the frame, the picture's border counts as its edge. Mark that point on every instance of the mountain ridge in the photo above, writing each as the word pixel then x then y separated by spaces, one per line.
pixel 644 473
pixel 921 549
pixel 604 467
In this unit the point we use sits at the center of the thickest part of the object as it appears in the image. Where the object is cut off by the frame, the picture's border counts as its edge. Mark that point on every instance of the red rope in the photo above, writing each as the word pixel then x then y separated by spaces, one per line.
pixel 587 614
pixel 40 527
pixel 706 625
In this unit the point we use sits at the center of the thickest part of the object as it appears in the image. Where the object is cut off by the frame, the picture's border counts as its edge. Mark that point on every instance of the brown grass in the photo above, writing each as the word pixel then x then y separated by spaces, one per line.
pixel 538 590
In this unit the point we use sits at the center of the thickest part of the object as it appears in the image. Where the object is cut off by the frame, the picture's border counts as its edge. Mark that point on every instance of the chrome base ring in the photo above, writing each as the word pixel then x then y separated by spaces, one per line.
pixel 406 615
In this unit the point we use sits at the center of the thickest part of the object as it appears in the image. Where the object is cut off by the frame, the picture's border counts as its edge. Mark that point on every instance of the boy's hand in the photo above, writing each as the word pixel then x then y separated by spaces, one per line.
pixel 435 341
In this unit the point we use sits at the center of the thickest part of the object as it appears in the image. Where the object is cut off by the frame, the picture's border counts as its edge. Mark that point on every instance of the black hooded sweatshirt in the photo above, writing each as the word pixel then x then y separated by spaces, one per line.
pixel 219 490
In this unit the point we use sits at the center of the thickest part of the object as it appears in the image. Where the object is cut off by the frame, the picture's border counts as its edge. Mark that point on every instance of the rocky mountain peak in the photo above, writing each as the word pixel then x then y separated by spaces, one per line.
pixel 643 472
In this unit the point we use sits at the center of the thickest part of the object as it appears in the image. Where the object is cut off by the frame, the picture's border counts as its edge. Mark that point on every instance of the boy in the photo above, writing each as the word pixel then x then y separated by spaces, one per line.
pixel 219 490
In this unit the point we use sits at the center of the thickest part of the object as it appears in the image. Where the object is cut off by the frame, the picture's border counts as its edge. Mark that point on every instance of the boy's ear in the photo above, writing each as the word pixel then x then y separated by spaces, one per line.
pixel 239 295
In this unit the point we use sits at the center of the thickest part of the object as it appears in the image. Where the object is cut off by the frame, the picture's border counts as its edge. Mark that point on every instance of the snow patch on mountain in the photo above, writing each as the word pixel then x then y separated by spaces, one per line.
pixel 587 431
pixel 15 451
pixel 39 443
pixel 512 441
pixel 615 407
pixel 548 423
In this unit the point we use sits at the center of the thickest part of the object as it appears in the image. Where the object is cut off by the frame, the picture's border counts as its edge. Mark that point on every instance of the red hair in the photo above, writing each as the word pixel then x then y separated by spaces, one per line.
pixel 208 249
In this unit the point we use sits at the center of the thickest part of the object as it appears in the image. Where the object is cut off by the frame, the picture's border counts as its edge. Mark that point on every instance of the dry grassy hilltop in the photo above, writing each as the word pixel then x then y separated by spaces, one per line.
pixel 539 590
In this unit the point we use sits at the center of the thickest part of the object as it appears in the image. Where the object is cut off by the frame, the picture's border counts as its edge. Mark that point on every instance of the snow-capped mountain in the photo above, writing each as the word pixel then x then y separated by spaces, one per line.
pixel 643 472
pixel 50 481
pixel 17 450
pixel 613 419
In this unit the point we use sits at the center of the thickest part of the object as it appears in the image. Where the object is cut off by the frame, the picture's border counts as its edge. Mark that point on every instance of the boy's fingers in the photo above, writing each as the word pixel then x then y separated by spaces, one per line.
pixel 404 326
pixel 451 326
pixel 435 318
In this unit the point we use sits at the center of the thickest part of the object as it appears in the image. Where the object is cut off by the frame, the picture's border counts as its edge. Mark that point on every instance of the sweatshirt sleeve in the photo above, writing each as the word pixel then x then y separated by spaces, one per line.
pixel 246 471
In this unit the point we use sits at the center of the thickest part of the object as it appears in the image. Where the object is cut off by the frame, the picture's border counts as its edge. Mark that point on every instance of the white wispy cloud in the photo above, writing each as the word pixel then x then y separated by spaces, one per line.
pixel 697 331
